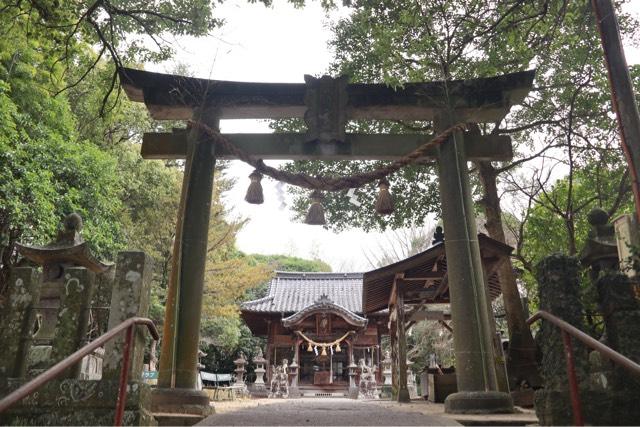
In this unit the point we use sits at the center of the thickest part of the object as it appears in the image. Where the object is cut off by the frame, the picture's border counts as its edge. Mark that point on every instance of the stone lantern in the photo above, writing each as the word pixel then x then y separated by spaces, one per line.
pixel 387 385
pixel 293 379
pixel 353 387
pixel 411 381
pixel 260 362
pixel 386 368
pixel 240 363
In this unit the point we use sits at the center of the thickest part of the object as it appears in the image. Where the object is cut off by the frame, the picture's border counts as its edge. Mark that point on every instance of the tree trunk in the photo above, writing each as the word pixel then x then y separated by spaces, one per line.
pixel 623 99
pixel 521 358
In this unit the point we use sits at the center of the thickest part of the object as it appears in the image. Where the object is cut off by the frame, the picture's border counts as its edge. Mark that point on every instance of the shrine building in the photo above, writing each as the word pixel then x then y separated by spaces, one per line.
pixel 320 323
pixel 316 319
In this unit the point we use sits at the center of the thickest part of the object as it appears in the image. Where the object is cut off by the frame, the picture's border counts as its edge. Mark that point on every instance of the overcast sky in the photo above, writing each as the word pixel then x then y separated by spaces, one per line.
pixel 279 44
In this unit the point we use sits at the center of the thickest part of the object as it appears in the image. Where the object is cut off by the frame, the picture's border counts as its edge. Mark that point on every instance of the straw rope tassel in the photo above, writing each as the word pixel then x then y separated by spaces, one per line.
pixel 384 202
pixel 255 195
pixel 315 216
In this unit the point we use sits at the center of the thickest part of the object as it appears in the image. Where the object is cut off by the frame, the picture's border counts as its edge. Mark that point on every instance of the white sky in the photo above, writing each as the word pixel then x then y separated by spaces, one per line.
pixel 279 44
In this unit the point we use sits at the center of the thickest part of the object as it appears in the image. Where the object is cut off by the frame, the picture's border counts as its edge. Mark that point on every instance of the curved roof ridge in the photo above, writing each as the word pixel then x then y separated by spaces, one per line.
pixel 283 273
pixel 324 303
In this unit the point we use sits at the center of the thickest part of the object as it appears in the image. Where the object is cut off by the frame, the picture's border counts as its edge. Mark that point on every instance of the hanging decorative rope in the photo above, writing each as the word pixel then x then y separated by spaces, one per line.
pixel 327 183
pixel 324 345
pixel 315 216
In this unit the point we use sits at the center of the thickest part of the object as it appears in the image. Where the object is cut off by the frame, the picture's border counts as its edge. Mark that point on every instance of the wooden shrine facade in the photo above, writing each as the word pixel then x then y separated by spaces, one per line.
pixel 324 307
pixel 301 309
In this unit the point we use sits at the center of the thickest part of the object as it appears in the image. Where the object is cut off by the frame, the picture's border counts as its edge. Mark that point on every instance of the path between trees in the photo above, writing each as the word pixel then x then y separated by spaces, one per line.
pixel 318 411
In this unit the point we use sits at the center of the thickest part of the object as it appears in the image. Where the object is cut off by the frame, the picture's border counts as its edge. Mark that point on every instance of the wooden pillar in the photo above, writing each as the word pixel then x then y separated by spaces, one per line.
pixel 379 352
pixel 268 351
pixel 498 355
pixel 394 350
pixel 181 339
pixel 473 342
pixel 296 355
pixel 378 360
pixel 403 390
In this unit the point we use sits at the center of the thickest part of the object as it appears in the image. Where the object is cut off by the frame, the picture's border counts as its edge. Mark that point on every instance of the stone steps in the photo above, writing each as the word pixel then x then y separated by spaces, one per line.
pixel 176 419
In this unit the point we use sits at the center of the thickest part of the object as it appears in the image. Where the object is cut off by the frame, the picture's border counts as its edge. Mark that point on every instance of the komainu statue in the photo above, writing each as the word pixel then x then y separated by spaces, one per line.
pixel 367 387
pixel 279 380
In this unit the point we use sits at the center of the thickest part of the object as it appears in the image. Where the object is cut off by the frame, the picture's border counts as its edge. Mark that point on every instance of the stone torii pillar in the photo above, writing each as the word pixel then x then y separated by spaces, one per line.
pixel 177 378
pixel 473 341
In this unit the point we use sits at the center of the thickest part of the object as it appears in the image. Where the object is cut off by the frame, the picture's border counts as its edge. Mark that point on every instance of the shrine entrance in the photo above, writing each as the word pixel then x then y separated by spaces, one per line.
pixel 327 105
pixel 314 322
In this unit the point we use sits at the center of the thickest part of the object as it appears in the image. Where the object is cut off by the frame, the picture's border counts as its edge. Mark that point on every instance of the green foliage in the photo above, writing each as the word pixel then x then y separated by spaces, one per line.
pixel 557 222
pixel 220 355
pixel 282 263
pixel 46 170
pixel 291 263
pixel 395 42
pixel 427 338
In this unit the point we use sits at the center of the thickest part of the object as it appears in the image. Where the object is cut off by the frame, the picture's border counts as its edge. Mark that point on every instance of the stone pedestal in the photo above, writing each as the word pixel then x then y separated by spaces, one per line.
pixel 78 402
pixel 353 387
pixel 621 312
pixel 294 391
pixel 559 294
pixel 181 401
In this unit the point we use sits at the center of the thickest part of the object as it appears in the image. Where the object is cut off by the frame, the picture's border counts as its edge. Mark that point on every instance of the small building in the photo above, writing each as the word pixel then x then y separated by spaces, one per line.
pixel 325 321
pixel 317 320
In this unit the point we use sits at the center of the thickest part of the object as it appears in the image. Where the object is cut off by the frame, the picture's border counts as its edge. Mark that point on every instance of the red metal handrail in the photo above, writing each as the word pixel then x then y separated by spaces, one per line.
pixel 69 361
pixel 569 331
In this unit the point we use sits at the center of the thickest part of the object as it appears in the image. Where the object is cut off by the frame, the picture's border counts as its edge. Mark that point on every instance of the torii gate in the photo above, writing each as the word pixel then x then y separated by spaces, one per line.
pixel 327 104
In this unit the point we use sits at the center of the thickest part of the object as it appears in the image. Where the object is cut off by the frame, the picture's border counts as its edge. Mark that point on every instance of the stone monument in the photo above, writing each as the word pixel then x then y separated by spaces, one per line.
pixel 73 283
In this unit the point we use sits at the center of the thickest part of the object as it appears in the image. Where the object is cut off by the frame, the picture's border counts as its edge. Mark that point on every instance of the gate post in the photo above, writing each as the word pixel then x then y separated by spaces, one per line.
pixel 181 334
pixel 473 341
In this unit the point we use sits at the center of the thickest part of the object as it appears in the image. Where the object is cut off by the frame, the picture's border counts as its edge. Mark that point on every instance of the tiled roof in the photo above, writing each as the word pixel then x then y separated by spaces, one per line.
pixel 292 291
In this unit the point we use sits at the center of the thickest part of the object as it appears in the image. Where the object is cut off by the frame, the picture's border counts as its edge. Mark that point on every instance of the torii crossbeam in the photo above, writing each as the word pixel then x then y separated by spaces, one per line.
pixel 327 105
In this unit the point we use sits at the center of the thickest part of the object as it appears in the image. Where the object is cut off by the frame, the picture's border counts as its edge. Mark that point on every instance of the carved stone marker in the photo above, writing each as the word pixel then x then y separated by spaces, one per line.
pixel 73 316
pixel 130 298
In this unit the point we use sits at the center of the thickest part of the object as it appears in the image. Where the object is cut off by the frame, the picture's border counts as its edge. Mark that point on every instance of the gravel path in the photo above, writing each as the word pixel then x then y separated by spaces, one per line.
pixel 315 412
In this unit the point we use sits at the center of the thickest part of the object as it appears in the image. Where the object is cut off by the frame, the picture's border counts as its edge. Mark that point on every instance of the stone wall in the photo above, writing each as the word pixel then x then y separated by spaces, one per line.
pixel 73 399
pixel 559 292
pixel 608 392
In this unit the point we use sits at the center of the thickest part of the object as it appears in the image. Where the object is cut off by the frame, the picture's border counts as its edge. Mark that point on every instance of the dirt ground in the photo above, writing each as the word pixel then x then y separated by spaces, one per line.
pixel 318 411
pixel 347 412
